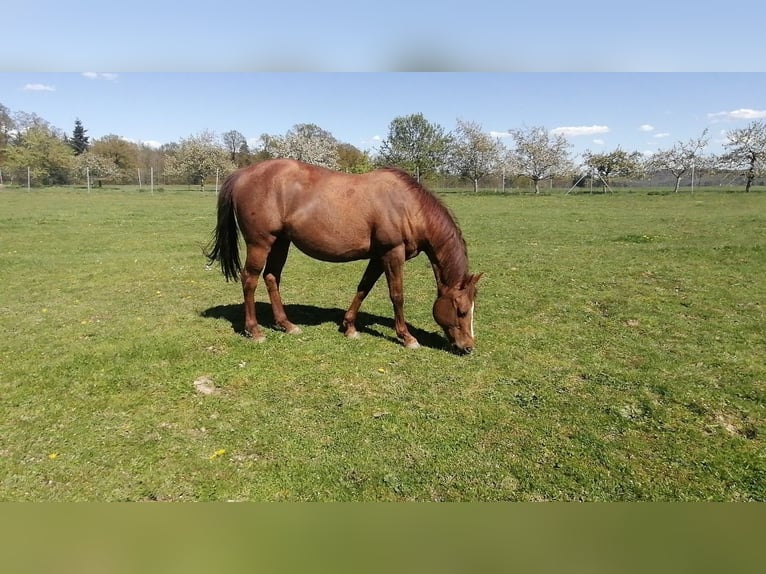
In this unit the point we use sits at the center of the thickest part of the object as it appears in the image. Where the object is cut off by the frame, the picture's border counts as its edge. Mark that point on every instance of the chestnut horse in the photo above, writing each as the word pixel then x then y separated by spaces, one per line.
pixel 384 216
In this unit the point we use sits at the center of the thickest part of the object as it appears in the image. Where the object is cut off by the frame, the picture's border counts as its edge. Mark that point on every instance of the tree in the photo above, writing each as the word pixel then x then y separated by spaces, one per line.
pixel 244 157
pixel 94 166
pixel 679 159
pixel 746 150
pixel 233 140
pixel 123 153
pixel 264 148
pixel 79 141
pixel 46 155
pixel 304 142
pixel 416 145
pixel 538 154
pixel 7 127
pixel 150 157
pixel 25 121
pixel 353 160
pixel 474 154
pixel 199 157
pixel 617 163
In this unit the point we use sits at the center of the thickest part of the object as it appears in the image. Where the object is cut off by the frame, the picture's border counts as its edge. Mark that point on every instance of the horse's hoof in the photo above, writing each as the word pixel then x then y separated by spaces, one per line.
pixel 352 334
pixel 294 330
pixel 412 344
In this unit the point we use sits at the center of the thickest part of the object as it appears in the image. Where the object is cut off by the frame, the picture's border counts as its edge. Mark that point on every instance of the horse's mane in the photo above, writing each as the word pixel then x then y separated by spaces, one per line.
pixel 444 225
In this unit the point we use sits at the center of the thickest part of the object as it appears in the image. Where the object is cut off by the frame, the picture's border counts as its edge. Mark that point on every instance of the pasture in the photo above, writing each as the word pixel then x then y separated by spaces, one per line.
pixel 620 357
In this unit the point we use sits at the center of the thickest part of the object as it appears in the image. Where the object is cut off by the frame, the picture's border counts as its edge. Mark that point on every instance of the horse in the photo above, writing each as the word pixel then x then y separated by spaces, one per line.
pixel 385 216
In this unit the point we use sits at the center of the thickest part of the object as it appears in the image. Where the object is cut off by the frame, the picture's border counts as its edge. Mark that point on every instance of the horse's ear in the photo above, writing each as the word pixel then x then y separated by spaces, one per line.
pixel 470 281
pixel 474 279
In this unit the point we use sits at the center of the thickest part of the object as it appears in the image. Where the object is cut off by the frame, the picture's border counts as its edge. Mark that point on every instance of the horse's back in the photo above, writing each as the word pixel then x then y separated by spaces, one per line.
pixel 328 214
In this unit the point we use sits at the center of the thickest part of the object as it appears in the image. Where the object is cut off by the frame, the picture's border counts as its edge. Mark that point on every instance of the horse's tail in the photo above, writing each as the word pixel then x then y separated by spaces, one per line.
pixel 225 244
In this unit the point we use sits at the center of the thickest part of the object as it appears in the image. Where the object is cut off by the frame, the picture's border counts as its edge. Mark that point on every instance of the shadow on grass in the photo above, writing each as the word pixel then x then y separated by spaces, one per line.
pixel 310 315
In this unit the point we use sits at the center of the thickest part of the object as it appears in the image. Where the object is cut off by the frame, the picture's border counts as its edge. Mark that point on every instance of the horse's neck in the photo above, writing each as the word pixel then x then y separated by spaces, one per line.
pixel 448 258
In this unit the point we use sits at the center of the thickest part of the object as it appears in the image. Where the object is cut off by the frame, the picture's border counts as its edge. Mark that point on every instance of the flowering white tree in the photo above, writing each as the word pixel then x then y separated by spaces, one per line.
pixel 474 153
pixel 305 142
pixel 198 157
pixel 95 166
pixel 679 159
pixel 538 154
pixel 7 126
pixel 746 150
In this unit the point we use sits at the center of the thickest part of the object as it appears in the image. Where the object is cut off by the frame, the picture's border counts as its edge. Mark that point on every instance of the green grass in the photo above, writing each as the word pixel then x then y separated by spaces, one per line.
pixel 620 357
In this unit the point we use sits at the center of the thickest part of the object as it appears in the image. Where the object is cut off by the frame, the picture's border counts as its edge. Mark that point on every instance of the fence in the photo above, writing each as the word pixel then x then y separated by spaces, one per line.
pixel 151 178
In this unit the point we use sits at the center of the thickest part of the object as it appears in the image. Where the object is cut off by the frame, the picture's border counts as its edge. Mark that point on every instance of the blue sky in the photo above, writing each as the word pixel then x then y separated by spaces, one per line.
pixel 395 35
pixel 596 111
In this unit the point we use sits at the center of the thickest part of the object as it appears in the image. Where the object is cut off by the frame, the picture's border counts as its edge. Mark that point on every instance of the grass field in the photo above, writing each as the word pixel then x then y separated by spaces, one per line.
pixel 620 356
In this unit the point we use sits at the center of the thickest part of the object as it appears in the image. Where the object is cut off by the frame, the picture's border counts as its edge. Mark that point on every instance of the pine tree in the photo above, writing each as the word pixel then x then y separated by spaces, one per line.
pixel 79 141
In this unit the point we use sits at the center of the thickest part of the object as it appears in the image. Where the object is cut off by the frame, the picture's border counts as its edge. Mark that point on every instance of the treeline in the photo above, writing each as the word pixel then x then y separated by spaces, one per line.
pixel 32 150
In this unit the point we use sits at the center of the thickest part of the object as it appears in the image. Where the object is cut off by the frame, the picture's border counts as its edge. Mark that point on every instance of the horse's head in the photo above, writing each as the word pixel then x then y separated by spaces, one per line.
pixel 453 311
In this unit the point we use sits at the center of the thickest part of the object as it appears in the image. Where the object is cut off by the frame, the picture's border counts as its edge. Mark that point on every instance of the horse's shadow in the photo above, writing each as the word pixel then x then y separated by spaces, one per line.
pixel 310 315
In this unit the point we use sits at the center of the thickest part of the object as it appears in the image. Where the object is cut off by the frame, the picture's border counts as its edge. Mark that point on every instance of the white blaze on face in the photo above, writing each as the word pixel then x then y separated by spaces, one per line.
pixel 472 306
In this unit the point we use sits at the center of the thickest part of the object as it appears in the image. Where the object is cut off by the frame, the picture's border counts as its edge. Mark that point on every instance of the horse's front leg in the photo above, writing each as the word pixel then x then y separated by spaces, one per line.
pixel 369 278
pixel 393 265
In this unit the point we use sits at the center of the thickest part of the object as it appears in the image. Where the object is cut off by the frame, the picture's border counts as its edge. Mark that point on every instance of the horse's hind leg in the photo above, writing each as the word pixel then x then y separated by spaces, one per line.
pixel 256 259
pixel 272 275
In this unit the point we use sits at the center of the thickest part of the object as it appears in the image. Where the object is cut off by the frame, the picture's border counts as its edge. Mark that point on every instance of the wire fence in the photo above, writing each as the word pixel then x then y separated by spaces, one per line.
pixel 153 179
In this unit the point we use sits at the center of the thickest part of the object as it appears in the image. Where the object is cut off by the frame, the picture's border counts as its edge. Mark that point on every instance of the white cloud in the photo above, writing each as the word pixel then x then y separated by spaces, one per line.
pixel 38 88
pixel 661 135
pixel 580 130
pixel 372 142
pixel 598 141
pixel 646 128
pixel 495 134
pixel 100 76
pixel 740 114
pixel 154 144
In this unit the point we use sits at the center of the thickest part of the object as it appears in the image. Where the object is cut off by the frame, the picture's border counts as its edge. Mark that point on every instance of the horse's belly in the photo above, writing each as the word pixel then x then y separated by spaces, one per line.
pixel 335 247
